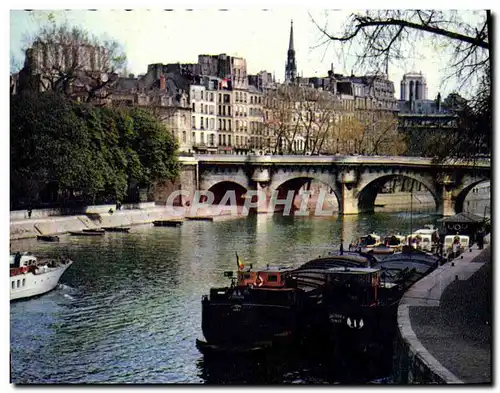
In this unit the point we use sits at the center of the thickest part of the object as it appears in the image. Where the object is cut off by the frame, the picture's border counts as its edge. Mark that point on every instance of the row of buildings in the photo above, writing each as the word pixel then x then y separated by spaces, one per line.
pixel 215 106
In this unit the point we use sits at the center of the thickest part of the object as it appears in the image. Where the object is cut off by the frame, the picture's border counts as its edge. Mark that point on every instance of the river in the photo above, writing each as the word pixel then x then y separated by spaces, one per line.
pixel 128 310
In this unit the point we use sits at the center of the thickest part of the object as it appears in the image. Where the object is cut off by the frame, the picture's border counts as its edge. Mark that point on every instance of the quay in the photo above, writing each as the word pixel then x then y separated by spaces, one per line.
pixel 48 222
pixel 444 323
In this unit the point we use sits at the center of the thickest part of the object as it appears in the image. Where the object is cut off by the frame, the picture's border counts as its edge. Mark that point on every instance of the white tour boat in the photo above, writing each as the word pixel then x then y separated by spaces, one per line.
pixel 30 276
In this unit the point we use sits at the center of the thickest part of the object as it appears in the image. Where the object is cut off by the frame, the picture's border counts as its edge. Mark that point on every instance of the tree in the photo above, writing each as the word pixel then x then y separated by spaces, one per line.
pixel 297 112
pixel 380 35
pixel 64 150
pixel 70 61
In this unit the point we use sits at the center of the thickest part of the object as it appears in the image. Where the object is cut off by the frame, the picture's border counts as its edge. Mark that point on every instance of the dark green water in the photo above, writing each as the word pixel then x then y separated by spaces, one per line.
pixel 128 310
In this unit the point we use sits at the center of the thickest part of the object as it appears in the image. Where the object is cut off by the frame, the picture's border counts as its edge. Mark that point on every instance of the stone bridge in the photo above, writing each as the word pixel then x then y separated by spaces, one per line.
pixel 355 180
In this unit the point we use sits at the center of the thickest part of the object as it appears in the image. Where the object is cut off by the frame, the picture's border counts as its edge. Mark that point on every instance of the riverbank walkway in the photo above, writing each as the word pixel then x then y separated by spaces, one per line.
pixel 447 319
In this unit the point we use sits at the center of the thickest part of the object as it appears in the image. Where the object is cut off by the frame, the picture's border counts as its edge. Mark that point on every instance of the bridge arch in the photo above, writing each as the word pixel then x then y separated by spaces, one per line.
pixel 462 193
pixel 221 189
pixel 308 182
pixel 369 189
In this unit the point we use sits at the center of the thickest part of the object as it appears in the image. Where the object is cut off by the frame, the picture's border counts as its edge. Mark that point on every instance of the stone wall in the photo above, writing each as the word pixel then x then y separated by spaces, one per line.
pixel 58 212
pixel 22 229
pixel 186 181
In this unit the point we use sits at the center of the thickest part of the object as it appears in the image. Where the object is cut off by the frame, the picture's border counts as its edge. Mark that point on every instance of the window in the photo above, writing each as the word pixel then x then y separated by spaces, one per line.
pixel 211 97
pixel 184 136
pixel 272 278
pixel 223 110
pixel 236 123
pixel 18 283
pixel 220 139
pixel 206 123
pixel 194 107
pixel 229 124
pixel 212 139
pixel 226 99
pixel 201 123
pixel 224 124
pixel 224 140
pixel 229 140
pixel 24 282
pixel 220 124
pixel 220 97
pixel 13 284
pixel 220 110
pixel 212 124
pixel 229 111
pixel 251 99
pixel 237 140
pixel 202 137
pixel 193 137
pixel 202 94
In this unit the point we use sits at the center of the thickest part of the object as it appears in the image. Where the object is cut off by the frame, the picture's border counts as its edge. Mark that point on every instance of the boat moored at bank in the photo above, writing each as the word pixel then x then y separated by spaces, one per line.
pixel 261 307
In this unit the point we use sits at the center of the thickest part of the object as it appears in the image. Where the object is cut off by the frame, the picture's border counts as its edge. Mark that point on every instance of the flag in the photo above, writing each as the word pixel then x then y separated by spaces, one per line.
pixel 239 262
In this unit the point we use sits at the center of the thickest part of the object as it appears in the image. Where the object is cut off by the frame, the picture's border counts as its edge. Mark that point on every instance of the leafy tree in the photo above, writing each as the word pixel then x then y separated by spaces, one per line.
pixel 61 149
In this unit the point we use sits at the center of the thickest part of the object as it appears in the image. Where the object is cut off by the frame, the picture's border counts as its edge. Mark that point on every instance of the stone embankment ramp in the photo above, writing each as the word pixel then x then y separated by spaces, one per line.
pixel 27 228
pixel 445 324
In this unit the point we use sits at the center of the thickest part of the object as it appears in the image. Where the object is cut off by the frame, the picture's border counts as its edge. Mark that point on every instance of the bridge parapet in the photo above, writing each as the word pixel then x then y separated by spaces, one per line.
pixel 338 160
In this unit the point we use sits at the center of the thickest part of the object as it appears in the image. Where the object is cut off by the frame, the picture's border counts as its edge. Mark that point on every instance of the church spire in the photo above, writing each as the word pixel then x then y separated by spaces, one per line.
pixel 291 66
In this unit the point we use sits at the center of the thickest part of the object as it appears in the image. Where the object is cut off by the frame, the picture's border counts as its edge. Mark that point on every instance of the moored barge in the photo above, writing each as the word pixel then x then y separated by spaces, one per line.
pixel 260 308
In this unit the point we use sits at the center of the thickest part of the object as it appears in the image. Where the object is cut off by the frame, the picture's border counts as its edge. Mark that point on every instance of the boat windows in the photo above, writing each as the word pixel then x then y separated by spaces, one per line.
pixel 24 282
pixel 272 278
pixel 246 276
pixel 18 283
pixel 13 284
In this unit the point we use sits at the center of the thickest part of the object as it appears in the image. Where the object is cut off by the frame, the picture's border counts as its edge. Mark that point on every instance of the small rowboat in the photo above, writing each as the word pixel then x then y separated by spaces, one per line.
pixel 48 238
pixel 116 229
pixel 167 223
pixel 87 233
pixel 93 230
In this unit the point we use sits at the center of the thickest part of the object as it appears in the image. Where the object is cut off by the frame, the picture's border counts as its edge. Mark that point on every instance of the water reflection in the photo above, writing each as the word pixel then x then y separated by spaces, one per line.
pixel 129 309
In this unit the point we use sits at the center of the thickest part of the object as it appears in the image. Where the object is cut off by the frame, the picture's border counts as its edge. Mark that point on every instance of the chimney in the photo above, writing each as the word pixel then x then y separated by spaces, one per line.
pixel 163 83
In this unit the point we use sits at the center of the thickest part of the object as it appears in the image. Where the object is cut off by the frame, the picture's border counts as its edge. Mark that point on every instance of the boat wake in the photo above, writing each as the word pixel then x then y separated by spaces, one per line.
pixel 65 287
pixel 67 291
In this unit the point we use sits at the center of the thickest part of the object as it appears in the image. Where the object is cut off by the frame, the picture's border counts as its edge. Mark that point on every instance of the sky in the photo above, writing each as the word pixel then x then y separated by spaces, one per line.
pixel 261 36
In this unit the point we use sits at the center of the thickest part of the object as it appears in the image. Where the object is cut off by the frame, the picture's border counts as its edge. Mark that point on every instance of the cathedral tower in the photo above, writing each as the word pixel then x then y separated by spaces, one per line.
pixel 291 66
